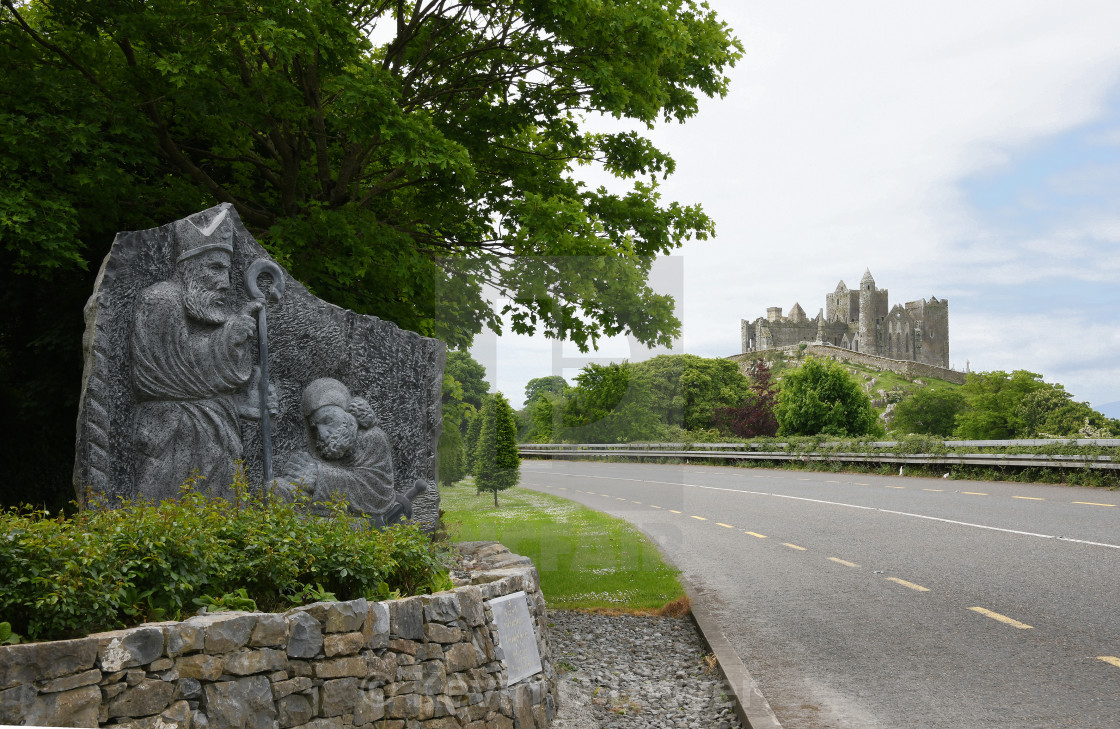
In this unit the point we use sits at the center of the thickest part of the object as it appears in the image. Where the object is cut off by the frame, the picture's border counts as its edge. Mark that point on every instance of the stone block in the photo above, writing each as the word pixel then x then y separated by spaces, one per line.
pixel 426 708
pixel 439 633
pixel 305 635
pixel 410 673
pixel 189 688
pixel 77 707
pixel 339 667
pixel 112 690
pixel 185 637
pixel 401 687
pixel 470 604
pixel 370 707
pixel 406 618
pixel 433 678
pixel 447 722
pixel 32 662
pixel 429 652
pixel 444 706
pixel 483 642
pixel 17 701
pixel 226 632
pixel 347 616
pixel 523 708
pixel 199 666
pixel 376 627
pixel 300 668
pixel 280 689
pixel 382 668
pixel 337 697
pixel 73 681
pixel 457 686
pixel 405 706
pixel 147 697
pixel 242 704
pixel 442 608
pixel 334 722
pixel 134 676
pixel 264 660
pixel 343 644
pixel 294 710
pixel 176 716
pixel 460 657
pixel 160 664
pixel 408 647
pixel 271 631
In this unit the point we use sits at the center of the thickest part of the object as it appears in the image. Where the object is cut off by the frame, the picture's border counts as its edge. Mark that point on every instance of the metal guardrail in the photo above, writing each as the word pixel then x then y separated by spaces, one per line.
pixel 755 452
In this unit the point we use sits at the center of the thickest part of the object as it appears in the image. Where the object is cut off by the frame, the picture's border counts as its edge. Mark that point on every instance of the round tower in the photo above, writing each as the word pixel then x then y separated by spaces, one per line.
pixel 867 313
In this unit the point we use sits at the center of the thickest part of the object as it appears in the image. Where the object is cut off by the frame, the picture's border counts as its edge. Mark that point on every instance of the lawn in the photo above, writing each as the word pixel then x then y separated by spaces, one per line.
pixel 587 560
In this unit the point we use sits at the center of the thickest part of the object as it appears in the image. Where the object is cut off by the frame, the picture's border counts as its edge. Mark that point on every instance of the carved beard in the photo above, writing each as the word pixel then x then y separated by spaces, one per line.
pixel 205 305
pixel 340 441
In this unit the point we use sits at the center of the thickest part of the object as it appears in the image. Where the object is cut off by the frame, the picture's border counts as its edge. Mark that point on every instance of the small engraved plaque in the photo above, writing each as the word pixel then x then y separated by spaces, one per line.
pixel 516 637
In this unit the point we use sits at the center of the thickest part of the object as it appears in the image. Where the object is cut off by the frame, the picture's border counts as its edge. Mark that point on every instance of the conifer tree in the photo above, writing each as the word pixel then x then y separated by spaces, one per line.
pixel 497 463
pixel 452 456
pixel 473 431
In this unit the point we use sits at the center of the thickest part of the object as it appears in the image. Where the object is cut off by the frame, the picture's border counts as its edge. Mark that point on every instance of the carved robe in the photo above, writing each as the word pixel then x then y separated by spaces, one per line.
pixel 186 377
pixel 364 476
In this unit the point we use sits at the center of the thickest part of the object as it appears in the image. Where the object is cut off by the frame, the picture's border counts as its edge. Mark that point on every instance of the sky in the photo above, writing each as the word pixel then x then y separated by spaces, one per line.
pixel 964 150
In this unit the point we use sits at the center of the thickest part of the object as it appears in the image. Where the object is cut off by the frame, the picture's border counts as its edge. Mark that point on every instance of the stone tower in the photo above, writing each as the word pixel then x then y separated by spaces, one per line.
pixel 867 313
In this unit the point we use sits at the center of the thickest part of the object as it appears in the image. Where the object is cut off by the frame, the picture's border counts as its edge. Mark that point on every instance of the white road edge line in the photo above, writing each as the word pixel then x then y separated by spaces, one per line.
pixel 851 506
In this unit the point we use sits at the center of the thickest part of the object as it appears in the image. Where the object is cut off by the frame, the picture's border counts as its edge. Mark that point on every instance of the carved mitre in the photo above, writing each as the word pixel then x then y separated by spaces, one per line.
pixel 322 392
pixel 201 233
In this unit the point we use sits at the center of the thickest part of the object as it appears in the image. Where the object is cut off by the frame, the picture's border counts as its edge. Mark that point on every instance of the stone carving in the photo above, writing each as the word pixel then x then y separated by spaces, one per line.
pixel 170 386
pixel 351 457
pixel 861 322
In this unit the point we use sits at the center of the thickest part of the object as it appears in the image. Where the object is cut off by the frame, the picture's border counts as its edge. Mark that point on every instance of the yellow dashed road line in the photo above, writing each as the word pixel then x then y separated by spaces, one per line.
pixel 857 483
pixel 896 487
pixel 720 523
pixel 756 534
pixel 674 511
pixel 1110 659
pixel 1001 618
pixel 701 518
pixel 1090 503
pixel 933 489
pixel 794 546
pixel 635 502
pixel 911 585
pixel 654 506
pixel 1029 498
pixel 974 493
pixel 844 562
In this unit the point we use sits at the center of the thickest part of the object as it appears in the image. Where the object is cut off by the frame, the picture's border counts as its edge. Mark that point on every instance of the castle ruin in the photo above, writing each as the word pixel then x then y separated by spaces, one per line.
pixel 860 321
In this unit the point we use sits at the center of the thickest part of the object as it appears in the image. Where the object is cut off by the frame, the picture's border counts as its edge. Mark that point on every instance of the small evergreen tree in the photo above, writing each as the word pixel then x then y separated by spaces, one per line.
pixel 497 463
pixel 471 446
pixel 452 456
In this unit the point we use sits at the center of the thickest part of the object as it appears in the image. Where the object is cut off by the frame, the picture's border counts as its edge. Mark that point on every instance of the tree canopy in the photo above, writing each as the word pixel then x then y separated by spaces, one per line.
pixel 928 411
pixel 497 463
pixel 820 397
pixel 406 160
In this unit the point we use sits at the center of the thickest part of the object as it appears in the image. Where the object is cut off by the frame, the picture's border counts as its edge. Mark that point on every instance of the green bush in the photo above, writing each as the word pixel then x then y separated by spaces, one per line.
pixel 821 398
pixel 107 568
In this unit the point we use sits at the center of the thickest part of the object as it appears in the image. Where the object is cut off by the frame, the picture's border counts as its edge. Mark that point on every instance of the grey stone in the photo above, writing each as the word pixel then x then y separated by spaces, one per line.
pixel 370 707
pixel 338 696
pixel 440 633
pixel 406 618
pixel 259 661
pixel 189 688
pixel 113 689
pixel 147 697
pixel 294 710
pixel 470 602
pixel 343 644
pixel 31 662
pixel 133 676
pixel 160 664
pixel 199 666
pixel 186 637
pixel 176 716
pixel 77 680
pixel 16 702
pixel 376 628
pixel 77 707
pixel 346 617
pixel 339 667
pixel 382 668
pixel 142 424
pixel 242 704
pixel 442 608
pixel 271 631
pixel 226 632
pixel 334 722
pixel 280 689
pixel 461 656
pixel 516 637
pixel 305 636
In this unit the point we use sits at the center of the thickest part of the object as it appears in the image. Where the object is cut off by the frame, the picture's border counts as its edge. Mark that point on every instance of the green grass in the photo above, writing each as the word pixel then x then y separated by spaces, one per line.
pixel 586 559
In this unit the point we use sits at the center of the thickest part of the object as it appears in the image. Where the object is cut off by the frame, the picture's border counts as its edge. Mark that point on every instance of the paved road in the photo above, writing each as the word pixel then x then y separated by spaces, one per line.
pixel 867 601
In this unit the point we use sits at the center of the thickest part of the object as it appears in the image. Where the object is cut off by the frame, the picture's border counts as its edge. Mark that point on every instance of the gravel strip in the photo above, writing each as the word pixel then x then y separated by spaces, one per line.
pixel 618 672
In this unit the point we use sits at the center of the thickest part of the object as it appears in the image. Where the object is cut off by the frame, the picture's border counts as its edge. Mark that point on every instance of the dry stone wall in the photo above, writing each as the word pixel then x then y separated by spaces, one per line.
pixel 906 368
pixel 427 662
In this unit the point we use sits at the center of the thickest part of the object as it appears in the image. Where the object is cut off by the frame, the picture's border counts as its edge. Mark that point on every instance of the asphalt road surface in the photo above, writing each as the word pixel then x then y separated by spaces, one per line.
pixel 868 601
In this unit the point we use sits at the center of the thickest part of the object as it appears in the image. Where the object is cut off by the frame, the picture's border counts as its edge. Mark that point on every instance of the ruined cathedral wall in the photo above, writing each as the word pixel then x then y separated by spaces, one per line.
pixel 906 368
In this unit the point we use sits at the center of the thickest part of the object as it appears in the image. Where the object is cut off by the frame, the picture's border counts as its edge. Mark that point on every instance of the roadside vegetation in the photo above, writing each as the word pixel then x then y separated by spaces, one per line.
pixel 102 569
pixel 586 559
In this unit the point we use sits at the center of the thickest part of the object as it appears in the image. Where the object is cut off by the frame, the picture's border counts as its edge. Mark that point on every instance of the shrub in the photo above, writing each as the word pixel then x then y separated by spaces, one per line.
pixel 821 398
pixel 108 568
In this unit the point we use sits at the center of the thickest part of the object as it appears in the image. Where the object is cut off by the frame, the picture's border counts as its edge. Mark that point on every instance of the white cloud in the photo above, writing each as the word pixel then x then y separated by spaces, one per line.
pixel 843 145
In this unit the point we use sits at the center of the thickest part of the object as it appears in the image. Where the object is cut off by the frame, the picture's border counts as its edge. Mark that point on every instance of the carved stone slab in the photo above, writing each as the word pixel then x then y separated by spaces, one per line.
pixel 520 655
pixel 160 377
